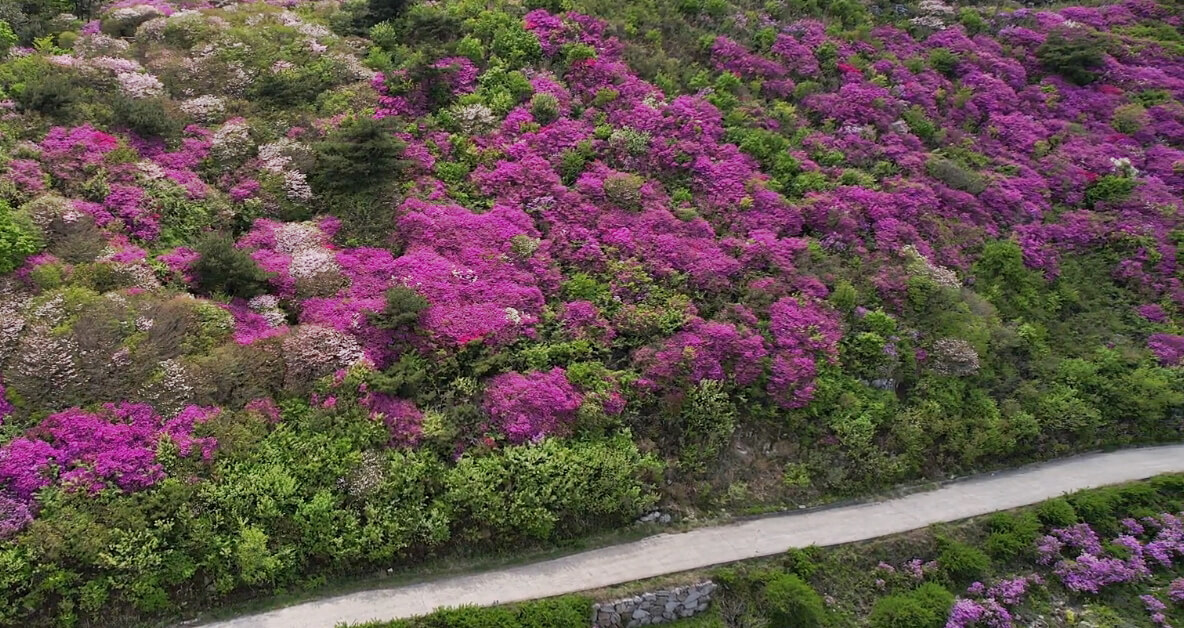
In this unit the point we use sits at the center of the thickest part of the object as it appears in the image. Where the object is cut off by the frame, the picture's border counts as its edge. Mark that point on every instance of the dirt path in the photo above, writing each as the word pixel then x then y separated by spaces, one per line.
pixel 703 547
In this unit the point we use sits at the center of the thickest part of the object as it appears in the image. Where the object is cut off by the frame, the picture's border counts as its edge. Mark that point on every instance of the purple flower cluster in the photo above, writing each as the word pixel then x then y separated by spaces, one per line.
pixel 1081 563
pixel 1176 591
pixel 116 446
pixel 401 417
pixel 530 406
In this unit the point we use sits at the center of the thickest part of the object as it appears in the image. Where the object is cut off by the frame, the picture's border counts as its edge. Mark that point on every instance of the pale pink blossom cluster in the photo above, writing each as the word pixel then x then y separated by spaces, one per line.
pixel 139 85
pixel 207 108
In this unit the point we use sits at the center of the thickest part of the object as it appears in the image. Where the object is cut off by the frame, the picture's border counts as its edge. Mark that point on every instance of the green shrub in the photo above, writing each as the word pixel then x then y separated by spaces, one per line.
pixel 147 117
pixel 943 61
pixel 53 94
pixel 544 491
pixel 925 607
pixel 1110 188
pixel 624 190
pixel 1002 278
pixel 961 563
pixel 1056 513
pixel 576 52
pixel 544 107
pixel 1012 536
pixel 802 561
pixel 708 418
pixel 921 125
pixel 972 21
pixel 1152 97
pixel 19 238
pixel 224 269
pixel 403 307
pixel 568 610
pixel 954 175
pixel 806 88
pixel 790 601
pixel 383 10
pixel 1076 55
pixel 8 38
pixel 573 161
pixel 291 88
pixel 361 154
pixel 1129 118
pixel 125 26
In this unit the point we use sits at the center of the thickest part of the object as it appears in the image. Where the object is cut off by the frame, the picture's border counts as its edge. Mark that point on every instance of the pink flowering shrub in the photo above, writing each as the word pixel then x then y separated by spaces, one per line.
pixel 402 418
pixel 115 447
pixel 531 406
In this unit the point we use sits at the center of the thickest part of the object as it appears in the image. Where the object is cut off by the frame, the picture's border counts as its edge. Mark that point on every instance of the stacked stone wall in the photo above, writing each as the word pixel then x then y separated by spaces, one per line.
pixel 657 607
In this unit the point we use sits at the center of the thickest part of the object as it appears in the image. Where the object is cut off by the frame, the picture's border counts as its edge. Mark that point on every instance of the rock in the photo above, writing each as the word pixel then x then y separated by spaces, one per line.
pixel 640 613
pixel 664 519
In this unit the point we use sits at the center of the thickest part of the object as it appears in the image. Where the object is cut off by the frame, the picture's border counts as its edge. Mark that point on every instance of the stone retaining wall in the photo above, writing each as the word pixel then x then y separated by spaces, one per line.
pixel 657 607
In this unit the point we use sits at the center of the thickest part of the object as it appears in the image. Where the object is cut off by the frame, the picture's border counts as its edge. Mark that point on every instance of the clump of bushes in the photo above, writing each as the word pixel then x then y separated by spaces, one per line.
pixel 624 190
pixel 222 268
pixel 790 601
pixel 19 238
pixel 955 175
pixel 358 155
pixel 1075 54
pixel 961 563
pixel 403 307
pixel 925 607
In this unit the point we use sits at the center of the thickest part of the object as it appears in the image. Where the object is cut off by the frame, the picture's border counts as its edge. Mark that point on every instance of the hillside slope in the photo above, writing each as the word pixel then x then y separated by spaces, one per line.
pixel 293 292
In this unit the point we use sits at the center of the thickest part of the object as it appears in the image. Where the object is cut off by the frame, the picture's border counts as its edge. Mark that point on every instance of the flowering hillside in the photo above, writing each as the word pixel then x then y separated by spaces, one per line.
pixel 1078 561
pixel 292 291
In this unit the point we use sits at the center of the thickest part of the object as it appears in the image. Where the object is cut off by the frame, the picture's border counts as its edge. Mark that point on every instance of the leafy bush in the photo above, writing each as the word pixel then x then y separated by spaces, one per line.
pixel 147 117
pixel 403 307
pixel 7 38
pixel 954 175
pixel 624 190
pixel 1056 513
pixel 943 61
pixel 53 94
pixel 925 607
pixel 1077 55
pixel 708 418
pixel 224 269
pixel 1110 188
pixel 960 562
pixel 19 238
pixel 1012 536
pixel 291 87
pixel 360 154
pixel 544 107
pixel 384 10
pixel 792 602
